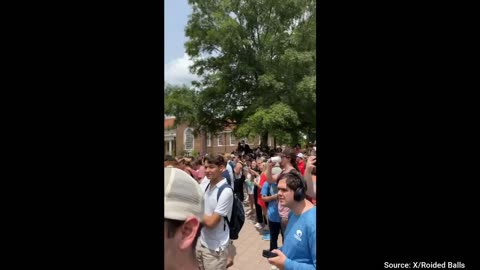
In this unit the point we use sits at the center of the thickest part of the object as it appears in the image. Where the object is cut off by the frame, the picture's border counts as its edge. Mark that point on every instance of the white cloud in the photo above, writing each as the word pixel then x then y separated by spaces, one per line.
pixel 177 71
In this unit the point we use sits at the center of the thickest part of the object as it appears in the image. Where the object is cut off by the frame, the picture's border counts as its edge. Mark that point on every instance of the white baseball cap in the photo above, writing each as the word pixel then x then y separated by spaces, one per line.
pixel 183 195
pixel 300 155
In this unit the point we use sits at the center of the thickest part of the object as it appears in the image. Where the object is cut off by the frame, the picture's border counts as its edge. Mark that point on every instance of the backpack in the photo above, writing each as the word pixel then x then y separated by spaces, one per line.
pixel 238 213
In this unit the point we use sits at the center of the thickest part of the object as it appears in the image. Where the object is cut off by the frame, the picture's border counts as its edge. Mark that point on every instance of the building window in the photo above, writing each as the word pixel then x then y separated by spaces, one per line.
pixel 245 140
pixel 233 140
pixel 209 139
pixel 221 139
pixel 188 139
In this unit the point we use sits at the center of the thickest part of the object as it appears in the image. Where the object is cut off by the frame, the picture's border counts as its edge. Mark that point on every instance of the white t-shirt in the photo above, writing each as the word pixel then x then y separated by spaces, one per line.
pixel 204 183
pixel 217 238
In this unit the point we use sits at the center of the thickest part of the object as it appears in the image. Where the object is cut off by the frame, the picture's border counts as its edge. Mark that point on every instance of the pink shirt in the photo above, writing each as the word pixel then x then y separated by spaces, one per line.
pixel 201 172
pixel 283 211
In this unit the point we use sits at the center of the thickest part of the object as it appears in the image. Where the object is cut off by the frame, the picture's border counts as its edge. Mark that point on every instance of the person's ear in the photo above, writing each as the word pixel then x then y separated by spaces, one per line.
pixel 188 233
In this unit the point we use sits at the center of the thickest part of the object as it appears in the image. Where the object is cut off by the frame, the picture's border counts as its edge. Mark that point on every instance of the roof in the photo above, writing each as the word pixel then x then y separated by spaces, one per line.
pixel 168 123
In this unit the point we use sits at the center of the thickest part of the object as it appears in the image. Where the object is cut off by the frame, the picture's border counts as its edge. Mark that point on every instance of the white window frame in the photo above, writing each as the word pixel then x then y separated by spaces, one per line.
pixel 185 140
pixel 232 144
pixel 218 139
pixel 209 139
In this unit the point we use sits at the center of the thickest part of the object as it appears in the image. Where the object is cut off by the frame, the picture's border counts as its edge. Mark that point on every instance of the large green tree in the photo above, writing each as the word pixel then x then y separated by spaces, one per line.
pixel 252 55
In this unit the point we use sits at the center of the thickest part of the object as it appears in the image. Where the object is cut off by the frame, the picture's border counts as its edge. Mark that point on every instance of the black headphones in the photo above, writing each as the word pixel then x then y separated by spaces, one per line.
pixel 300 193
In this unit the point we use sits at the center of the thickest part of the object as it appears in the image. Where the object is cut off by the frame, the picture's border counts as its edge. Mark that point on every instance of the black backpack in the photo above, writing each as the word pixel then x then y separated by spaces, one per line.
pixel 238 213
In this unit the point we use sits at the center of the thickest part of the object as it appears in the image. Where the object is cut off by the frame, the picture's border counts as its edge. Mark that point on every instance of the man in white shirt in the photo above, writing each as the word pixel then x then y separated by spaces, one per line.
pixel 215 235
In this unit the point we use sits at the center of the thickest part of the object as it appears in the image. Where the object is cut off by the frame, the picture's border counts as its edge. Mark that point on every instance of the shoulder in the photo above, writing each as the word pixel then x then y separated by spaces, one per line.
pixel 226 192
pixel 311 219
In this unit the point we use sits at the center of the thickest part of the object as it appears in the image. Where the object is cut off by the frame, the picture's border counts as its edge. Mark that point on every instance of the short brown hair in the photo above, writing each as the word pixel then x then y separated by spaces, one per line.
pixel 218 160
pixel 292 157
pixel 294 180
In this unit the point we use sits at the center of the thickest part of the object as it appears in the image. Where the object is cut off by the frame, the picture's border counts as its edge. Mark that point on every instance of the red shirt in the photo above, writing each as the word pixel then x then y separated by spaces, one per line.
pixel 263 178
pixel 301 166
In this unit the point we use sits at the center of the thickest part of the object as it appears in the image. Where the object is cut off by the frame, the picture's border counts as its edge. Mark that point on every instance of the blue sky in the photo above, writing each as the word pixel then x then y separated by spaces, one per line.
pixel 176 61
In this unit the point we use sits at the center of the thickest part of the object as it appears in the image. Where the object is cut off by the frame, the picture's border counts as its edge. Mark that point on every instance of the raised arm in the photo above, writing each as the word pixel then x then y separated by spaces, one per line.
pixel 311 187
pixel 270 178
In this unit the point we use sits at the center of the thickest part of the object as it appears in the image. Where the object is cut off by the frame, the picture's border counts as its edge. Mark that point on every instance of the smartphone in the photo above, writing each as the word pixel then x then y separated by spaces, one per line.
pixel 268 254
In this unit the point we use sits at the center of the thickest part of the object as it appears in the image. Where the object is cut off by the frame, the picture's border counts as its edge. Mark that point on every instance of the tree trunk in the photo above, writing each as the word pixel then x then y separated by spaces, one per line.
pixel 264 140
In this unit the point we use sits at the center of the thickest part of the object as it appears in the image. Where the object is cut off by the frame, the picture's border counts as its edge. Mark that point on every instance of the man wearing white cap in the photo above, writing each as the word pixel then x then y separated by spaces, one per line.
pixel 301 163
pixel 182 222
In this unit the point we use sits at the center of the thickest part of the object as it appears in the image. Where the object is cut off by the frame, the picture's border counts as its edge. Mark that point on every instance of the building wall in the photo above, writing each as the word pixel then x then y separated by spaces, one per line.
pixel 214 148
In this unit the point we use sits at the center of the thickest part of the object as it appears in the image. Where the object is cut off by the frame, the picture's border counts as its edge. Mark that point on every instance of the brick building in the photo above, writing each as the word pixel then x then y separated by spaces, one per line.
pixel 181 141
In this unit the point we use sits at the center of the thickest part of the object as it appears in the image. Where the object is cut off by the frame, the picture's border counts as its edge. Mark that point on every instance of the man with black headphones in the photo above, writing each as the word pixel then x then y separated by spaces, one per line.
pixel 299 249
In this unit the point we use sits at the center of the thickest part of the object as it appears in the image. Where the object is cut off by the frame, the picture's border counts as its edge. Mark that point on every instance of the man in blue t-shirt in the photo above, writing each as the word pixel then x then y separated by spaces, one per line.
pixel 269 194
pixel 299 250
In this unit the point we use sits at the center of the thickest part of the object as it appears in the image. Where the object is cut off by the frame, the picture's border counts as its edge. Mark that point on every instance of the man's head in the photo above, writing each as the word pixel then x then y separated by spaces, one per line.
pixel 260 161
pixel 300 157
pixel 227 157
pixel 183 214
pixel 289 157
pixel 214 166
pixel 291 189
pixel 170 161
pixel 197 164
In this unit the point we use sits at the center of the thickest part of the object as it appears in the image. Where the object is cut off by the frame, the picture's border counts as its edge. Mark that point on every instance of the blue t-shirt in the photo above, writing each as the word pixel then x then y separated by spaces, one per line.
pixel 272 210
pixel 226 175
pixel 300 246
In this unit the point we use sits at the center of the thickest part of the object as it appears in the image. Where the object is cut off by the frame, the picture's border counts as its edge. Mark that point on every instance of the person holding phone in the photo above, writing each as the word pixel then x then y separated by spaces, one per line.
pixel 310 176
pixel 299 251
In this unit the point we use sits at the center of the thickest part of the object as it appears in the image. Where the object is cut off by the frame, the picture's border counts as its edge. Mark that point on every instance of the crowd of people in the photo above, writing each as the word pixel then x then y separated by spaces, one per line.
pixel 277 187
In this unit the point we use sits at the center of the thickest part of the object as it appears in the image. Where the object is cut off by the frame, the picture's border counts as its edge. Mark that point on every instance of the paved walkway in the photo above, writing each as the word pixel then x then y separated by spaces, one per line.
pixel 249 246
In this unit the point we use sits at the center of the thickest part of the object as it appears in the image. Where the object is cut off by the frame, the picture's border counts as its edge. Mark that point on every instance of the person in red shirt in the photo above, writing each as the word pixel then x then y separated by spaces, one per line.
pixel 311 179
pixel 263 178
pixel 301 163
